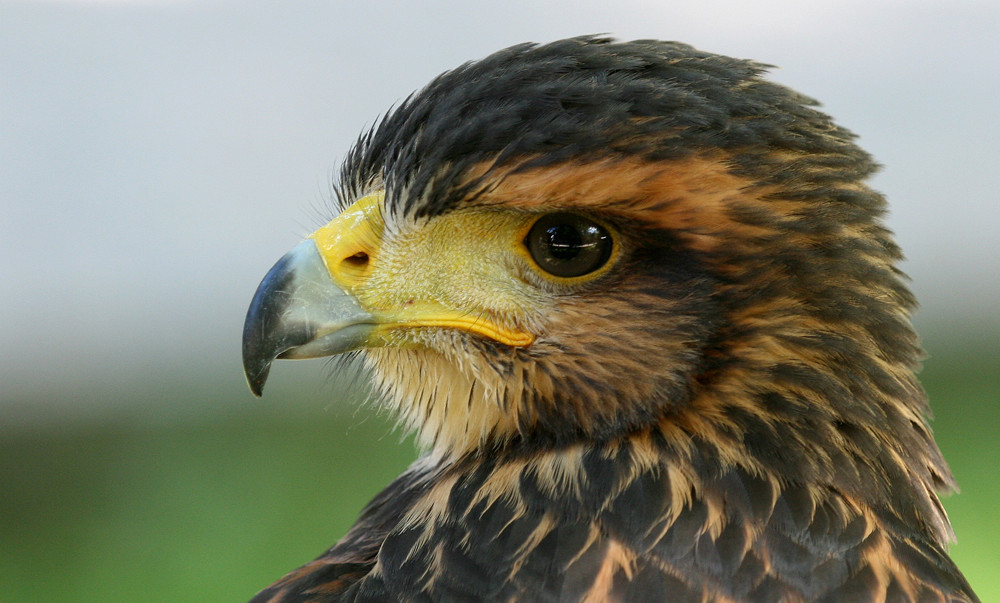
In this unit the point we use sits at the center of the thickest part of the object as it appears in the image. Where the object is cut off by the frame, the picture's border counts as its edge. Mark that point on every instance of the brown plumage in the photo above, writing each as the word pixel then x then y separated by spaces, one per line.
pixel 639 304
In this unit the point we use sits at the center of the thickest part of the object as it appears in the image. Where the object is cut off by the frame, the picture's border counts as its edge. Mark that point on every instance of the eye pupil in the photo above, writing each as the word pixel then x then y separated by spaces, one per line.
pixel 568 245
pixel 564 241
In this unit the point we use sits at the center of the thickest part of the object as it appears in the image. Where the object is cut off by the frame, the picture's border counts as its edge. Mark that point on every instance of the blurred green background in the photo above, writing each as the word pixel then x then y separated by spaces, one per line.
pixel 157 157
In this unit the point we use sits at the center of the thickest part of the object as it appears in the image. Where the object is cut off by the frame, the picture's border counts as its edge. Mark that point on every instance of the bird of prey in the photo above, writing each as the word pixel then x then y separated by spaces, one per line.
pixel 641 309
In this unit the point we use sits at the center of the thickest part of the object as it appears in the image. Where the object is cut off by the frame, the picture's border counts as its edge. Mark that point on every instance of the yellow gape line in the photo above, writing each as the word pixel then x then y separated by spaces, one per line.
pixel 481 326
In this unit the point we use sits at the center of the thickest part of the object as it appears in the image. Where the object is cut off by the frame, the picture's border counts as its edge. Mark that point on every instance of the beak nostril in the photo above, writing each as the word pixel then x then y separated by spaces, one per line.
pixel 352 268
pixel 358 260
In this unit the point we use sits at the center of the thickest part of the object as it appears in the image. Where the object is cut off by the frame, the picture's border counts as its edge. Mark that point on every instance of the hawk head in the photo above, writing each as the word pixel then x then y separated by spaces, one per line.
pixel 578 242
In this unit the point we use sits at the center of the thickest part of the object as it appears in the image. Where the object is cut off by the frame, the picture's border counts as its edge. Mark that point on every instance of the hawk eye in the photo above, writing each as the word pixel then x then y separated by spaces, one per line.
pixel 568 245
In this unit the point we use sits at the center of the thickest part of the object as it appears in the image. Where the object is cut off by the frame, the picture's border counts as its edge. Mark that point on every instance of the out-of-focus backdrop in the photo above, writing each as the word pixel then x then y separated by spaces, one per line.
pixel 157 157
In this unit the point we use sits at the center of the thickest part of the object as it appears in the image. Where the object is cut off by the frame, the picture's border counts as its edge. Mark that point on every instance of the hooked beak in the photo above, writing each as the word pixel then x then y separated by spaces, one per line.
pixel 299 312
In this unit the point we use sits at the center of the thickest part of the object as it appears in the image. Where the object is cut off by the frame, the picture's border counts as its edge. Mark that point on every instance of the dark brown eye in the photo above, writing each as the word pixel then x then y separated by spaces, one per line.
pixel 568 245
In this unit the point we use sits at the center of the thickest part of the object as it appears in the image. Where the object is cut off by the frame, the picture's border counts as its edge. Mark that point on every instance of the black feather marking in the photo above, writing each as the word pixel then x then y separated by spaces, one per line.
pixel 544 569
pixel 793 511
pixel 930 564
pixel 677 544
pixel 638 514
pixel 862 587
pixel 749 574
pixel 651 584
pixel 731 546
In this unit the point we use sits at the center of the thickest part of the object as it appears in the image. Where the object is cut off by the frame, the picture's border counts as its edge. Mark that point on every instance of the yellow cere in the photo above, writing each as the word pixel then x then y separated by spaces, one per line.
pixel 357 230
pixel 456 271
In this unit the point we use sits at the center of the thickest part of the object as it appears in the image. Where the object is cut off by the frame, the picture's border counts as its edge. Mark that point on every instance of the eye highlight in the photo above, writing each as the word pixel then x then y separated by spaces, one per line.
pixel 568 245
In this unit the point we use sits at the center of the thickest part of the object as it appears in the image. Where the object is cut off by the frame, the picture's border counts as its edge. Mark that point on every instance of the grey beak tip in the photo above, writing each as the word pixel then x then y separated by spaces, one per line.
pixel 298 312
pixel 262 321
pixel 256 368
pixel 256 386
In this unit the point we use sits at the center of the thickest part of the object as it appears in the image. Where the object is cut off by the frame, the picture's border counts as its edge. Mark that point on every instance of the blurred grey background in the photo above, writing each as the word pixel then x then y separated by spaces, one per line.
pixel 157 157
